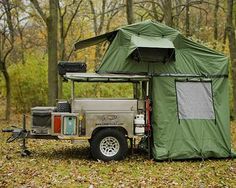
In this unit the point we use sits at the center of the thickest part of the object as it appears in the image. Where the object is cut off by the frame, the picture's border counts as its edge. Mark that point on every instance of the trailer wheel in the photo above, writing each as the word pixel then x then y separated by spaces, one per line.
pixel 109 144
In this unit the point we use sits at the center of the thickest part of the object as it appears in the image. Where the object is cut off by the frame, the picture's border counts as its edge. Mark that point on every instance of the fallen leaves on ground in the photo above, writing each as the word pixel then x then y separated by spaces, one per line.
pixel 62 164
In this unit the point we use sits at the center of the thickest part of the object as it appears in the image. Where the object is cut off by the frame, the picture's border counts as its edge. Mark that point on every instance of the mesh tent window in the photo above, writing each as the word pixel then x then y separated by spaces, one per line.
pixel 195 100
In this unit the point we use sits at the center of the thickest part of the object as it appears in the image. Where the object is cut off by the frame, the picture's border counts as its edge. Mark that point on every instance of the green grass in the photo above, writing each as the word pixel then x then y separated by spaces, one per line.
pixel 62 164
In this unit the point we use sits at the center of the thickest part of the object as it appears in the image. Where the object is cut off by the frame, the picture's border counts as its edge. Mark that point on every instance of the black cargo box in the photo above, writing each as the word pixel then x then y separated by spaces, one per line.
pixel 66 66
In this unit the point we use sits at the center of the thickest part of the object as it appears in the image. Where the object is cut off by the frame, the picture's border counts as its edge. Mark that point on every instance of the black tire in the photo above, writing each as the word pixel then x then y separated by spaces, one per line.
pixel 117 145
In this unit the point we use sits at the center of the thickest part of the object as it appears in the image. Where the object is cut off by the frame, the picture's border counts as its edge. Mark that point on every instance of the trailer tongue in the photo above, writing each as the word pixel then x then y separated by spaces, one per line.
pixel 106 123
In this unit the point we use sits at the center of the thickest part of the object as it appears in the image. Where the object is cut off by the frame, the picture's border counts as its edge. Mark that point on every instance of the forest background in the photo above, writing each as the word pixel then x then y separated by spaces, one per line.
pixel 35 35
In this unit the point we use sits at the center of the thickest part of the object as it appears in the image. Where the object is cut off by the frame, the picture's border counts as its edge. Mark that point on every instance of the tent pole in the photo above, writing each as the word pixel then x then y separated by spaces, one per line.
pixel 147 89
pixel 72 90
pixel 148 120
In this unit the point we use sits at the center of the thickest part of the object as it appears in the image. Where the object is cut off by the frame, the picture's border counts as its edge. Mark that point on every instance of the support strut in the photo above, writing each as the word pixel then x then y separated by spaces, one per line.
pixel 24 151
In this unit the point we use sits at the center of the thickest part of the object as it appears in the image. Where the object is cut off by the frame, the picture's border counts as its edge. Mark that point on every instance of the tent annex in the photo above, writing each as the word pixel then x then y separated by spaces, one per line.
pixel 189 87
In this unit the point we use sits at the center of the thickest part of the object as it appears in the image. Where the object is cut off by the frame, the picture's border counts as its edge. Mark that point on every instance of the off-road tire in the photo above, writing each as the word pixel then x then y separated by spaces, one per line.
pixel 115 140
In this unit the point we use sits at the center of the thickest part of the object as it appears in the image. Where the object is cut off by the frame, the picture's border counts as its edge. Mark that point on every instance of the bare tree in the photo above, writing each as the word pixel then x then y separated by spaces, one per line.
pixel 161 11
pixel 169 11
pixel 66 15
pixel 102 16
pixel 101 21
pixel 21 22
pixel 51 23
pixel 232 46
pixel 64 12
pixel 7 40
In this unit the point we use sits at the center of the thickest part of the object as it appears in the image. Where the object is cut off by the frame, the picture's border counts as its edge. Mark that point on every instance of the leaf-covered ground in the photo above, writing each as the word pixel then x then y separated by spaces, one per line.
pixel 62 164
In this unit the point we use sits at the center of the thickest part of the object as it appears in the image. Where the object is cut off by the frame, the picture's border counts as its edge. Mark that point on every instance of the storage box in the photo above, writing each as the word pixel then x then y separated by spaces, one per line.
pixel 64 67
pixel 41 120
pixel 64 123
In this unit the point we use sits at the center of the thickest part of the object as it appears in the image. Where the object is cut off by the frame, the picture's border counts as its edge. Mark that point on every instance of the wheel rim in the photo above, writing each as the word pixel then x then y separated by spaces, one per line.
pixel 109 146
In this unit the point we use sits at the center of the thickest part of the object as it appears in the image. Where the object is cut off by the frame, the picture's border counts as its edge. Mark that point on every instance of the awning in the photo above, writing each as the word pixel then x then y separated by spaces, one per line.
pixel 95 40
pixel 151 49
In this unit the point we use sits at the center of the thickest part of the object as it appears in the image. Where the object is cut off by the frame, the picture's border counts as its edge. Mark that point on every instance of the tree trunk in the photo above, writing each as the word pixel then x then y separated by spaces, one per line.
pixel 62 58
pixel 22 48
pixel 224 38
pixel 130 20
pixel 8 92
pixel 52 52
pixel 129 11
pixel 187 19
pixel 167 10
pixel 3 57
pixel 178 12
pixel 232 47
pixel 62 55
pixel 216 22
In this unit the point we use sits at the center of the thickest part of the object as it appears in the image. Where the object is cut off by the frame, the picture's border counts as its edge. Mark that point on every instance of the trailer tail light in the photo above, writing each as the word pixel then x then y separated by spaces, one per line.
pixel 57 124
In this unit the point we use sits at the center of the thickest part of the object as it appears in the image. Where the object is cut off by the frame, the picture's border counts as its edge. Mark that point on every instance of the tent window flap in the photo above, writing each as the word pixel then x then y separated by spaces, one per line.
pixel 195 100
pixel 152 49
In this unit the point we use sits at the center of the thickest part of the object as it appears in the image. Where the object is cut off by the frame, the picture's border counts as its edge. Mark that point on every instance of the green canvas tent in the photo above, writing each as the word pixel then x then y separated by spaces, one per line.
pixel 189 86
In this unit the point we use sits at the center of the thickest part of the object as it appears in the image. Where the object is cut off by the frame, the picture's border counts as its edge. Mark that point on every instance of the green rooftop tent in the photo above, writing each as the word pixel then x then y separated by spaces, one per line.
pixel 189 86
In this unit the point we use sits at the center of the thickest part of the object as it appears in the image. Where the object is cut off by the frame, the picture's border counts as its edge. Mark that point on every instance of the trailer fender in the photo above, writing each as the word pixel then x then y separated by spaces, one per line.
pixel 121 129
